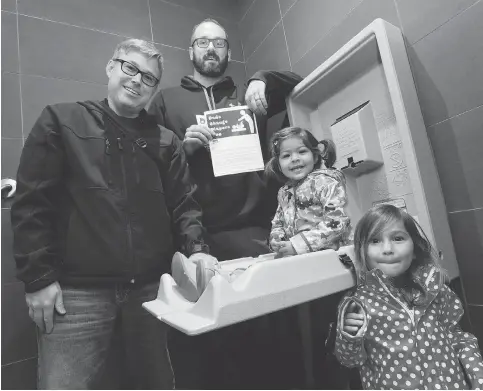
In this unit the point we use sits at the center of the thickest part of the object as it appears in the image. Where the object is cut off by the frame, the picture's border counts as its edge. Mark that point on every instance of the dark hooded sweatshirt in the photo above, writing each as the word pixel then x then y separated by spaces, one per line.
pixel 101 199
pixel 233 201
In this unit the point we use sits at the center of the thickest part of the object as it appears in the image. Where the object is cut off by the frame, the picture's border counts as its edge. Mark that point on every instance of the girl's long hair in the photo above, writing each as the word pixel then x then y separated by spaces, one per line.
pixel 327 156
pixel 375 221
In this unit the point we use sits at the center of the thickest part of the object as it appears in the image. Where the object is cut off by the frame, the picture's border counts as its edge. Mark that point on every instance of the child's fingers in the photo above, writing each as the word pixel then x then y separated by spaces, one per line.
pixel 351 329
pixel 353 322
pixel 354 307
pixel 353 315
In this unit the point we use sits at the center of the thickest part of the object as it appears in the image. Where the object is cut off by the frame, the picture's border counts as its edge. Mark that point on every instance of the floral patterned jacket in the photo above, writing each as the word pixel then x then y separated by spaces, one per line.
pixel 311 214
pixel 404 347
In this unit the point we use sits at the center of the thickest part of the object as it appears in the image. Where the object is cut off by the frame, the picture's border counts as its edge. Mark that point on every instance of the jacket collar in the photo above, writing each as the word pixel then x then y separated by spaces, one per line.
pixel 289 187
pixel 430 277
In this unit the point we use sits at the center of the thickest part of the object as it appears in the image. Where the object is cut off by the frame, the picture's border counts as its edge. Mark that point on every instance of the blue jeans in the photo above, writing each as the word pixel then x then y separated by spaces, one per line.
pixel 98 320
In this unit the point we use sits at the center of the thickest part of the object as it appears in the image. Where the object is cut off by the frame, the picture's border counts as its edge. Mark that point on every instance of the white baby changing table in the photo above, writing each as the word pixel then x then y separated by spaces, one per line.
pixel 267 285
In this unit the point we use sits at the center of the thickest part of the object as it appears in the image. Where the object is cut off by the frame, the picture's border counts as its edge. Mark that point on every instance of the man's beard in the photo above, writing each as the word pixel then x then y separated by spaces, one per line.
pixel 210 69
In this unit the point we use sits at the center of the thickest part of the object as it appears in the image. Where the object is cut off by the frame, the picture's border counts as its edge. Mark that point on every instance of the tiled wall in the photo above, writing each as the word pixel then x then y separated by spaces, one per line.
pixel 444 40
pixel 56 51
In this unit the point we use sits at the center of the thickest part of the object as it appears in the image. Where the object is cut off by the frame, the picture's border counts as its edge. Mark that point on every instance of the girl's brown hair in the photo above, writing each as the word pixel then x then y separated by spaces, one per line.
pixel 328 155
pixel 375 221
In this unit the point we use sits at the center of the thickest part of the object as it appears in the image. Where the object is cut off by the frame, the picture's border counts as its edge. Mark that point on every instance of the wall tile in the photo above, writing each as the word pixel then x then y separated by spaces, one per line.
pixel 20 376
pixel 38 92
pixel 177 64
pixel 447 67
pixel 243 6
pixel 363 15
pixel 9 5
pixel 8 263
pixel 19 340
pixel 258 22
pixel 419 18
pixel 285 5
pixel 235 40
pixel 467 231
pixel 229 10
pixel 128 18
pixel 9 42
pixel 56 50
pixel 11 115
pixel 11 149
pixel 310 20
pixel 172 26
pixel 457 146
pixel 272 54
pixel 476 316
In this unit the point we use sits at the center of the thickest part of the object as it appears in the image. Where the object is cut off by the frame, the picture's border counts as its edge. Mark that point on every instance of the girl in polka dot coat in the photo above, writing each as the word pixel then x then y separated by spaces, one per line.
pixel 400 326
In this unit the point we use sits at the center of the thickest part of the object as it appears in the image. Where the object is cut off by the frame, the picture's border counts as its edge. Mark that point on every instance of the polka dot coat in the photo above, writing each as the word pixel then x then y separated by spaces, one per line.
pixel 403 347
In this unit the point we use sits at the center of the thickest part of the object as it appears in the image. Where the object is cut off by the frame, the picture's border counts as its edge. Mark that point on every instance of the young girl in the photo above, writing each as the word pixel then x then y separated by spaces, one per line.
pixel 310 214
pixel 310 217
pixel 400 327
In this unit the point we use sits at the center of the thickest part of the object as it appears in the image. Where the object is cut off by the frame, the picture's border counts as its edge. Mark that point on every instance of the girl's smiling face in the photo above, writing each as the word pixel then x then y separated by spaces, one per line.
pixel 392 251
pixel 296 160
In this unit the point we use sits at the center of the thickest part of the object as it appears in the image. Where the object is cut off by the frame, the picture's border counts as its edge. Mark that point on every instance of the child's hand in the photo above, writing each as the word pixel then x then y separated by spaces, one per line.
pixel 285 249
pixel 354 319
pixel 276 244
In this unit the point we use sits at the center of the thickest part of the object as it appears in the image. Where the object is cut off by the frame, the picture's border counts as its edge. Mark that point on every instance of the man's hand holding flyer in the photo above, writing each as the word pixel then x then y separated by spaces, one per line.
pixel 236 148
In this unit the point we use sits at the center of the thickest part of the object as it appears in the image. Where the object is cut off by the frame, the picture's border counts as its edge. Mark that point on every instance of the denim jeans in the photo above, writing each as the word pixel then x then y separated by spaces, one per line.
pixel 98 320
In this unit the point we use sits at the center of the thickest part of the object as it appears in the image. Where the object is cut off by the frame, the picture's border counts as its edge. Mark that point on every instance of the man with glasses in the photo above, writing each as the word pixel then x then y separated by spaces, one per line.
pixel 237 209
pixel 103 202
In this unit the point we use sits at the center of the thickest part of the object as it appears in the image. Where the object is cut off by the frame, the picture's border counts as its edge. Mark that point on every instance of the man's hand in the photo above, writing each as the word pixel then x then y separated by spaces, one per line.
pixel 41 306
pixel 255 97
pixel 285 249
pixel 354 319
pixel 197 136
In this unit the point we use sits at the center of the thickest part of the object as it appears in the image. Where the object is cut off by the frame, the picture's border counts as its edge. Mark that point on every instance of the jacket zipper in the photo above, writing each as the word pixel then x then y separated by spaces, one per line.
pixel 135 163
pixel 108 162
pixel 404 306
pixel 124 180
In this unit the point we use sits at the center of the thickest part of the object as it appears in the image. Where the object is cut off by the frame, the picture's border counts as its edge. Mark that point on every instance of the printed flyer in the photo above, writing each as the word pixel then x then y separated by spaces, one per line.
pixel 236 148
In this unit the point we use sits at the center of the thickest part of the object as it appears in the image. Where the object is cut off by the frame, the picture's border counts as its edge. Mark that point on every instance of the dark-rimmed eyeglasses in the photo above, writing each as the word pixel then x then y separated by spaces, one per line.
pixel 203 43
pixel 132 70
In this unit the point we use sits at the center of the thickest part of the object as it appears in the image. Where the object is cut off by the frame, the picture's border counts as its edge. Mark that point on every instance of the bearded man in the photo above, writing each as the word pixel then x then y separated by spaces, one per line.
pixel 237 209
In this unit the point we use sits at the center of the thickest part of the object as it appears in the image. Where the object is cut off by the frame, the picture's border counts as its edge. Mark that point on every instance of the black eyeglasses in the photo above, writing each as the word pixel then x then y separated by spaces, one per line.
pixel 205 42
pixel 133 70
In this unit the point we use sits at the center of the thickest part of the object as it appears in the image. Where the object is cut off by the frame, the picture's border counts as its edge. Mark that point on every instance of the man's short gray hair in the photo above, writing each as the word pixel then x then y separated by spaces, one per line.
pixel 207 20
pixel 144 47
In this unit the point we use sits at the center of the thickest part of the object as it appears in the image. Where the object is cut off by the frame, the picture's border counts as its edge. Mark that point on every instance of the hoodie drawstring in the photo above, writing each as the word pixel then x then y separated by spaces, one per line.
pixel 212 97
pixel 209 100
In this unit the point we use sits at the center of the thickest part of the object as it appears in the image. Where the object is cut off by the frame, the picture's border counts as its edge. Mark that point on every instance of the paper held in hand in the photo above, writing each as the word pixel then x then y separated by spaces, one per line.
pixel 236 148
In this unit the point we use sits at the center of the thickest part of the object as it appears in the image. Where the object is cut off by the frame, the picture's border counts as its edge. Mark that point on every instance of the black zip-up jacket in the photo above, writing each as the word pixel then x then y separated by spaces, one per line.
pixel 231 201
pixel 101 199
